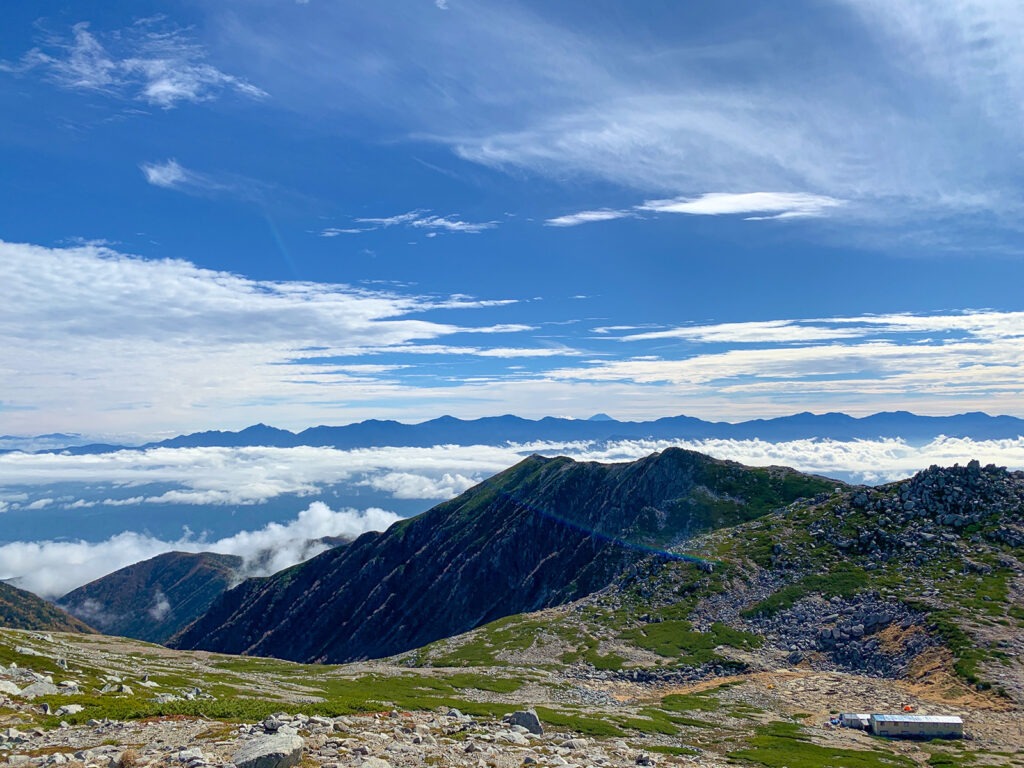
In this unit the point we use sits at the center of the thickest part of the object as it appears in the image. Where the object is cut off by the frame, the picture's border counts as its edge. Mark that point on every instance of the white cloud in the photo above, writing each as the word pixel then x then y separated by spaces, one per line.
pixel 587 217
pixel 990 326
pixel 151 63
pixel 168 174
pixel 859 461
pixel 769 331
pixel 252 475
pixel 161 606
pixel 775 205
pixel 408 485
pixel 99 335
pixel 451 224
pixel 335 231
pixel 418 219
pixel 969 50
pixel 53 568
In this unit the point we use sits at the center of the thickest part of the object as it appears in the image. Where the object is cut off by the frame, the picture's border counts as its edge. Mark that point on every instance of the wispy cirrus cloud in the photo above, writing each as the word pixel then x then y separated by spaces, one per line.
pixel 419 219
pixel 909 118
pixel 150 62
pixel 170 174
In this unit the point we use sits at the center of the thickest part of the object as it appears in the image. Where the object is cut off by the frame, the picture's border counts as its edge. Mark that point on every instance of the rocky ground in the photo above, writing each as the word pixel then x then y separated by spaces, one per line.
pixel 723 719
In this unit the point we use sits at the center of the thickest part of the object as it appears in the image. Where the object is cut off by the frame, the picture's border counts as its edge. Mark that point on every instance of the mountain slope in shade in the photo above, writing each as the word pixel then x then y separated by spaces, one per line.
pixel 23 610
pixel 154 599
pixel 542 533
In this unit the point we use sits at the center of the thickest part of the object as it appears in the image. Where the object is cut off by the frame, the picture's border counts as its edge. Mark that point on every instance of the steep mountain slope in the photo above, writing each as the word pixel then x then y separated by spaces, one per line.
pixel 23 610
pixel 545 532
pixel 156 598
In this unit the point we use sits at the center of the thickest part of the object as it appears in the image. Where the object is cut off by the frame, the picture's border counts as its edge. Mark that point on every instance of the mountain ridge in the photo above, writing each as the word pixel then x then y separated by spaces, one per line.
pixel 21 609
pixel 543 532
pixel 508 428
pixel 155 598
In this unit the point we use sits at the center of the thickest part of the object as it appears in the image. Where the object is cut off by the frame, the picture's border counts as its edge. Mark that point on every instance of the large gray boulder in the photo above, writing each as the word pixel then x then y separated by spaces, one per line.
pixel 527 719
pixel 40 688
pixel 276 751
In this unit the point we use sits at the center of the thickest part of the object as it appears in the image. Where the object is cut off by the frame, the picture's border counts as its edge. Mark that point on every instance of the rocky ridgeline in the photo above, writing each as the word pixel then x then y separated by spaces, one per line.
pixel 385 740
pixel 934 509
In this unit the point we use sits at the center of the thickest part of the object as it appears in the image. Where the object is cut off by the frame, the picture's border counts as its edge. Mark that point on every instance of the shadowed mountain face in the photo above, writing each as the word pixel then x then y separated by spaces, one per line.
pixel 156 598
pixel 23 610
pixel 545 532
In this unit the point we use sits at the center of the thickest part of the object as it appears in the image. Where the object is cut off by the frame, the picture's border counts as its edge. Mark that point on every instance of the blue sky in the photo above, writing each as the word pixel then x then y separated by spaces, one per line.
pixel 214 214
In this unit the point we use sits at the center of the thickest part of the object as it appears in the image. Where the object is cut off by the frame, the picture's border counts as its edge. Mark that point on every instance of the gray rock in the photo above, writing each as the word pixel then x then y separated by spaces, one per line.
pixel 527 719
pixel 277 751
pixel 375 762
pixel 9 689
pixel 40 688
pixel 575 743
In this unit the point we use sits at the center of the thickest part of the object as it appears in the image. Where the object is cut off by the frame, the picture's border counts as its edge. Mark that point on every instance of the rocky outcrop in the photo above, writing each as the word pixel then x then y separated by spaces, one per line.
pixel 542 533
pixel 933 510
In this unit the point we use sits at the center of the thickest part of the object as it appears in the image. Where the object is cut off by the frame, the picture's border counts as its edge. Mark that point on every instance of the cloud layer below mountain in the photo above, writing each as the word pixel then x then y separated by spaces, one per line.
pixel 53 568
pixel 234 476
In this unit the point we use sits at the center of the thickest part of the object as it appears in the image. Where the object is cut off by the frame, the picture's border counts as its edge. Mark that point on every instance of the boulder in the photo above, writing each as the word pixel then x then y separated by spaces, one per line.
pixel 40 688
pixel 528 719
pixel 277 751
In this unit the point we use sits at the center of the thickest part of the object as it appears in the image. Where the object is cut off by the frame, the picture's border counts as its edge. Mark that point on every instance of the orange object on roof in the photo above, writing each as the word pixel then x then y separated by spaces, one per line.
pixel 908 708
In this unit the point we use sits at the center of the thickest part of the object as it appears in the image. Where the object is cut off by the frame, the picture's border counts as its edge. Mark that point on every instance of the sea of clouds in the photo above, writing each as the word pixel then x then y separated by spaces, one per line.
pixel 231 478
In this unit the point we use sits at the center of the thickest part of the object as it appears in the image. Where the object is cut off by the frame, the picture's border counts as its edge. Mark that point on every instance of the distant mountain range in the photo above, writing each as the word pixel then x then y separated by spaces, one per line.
pixel 497 430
